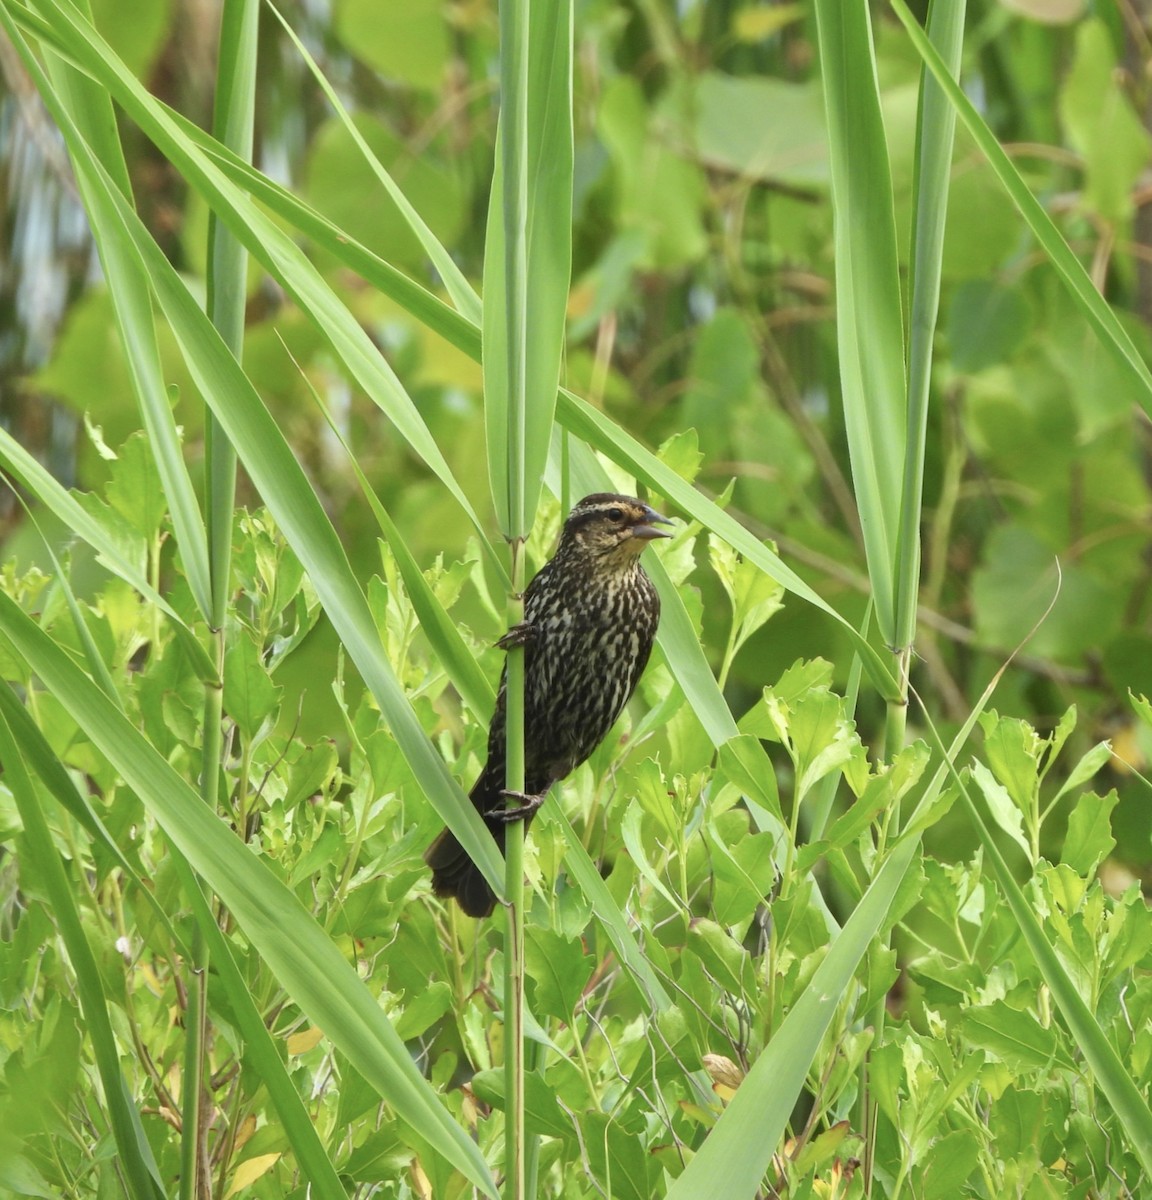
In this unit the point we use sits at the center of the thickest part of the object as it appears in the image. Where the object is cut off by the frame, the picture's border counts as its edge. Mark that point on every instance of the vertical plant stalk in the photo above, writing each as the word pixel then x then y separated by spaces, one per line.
pixel 232 125
pixel 935 130
pixel 935 135
pixel 527 265
pixel 513 151
pixel 515 1151
pixel 227 270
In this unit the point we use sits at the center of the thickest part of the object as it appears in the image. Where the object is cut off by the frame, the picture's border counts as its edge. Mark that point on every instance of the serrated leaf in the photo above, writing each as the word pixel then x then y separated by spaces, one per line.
pixel 560 970
pixel 1001 806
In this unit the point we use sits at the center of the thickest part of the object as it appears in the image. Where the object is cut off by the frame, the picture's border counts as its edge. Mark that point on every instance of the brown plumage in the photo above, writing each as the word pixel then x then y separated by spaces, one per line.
pixel 590 617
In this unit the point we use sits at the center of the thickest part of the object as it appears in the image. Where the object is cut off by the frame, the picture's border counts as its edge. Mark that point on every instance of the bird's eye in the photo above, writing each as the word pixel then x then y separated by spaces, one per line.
pixel 615 514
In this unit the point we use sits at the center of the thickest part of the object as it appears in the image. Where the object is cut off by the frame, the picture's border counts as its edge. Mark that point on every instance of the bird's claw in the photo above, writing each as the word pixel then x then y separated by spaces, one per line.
pixel 518 635
pixel 527 806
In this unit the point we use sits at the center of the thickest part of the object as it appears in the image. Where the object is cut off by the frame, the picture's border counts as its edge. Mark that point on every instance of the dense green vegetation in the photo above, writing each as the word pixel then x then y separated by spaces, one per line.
pixel 777 938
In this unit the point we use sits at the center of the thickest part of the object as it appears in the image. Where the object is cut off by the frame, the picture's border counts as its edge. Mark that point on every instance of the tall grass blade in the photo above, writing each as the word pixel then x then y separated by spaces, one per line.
pixel 528 254
pixel 293 503
pixel 227 276
pixel 736 1154
pixel 462 292
pixel 1094 308
pixel 870 322
pixel 91 109
pixel 935 134
pixel 527 263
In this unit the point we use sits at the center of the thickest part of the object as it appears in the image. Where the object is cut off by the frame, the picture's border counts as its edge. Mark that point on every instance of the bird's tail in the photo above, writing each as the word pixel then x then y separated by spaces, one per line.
pixel 453 872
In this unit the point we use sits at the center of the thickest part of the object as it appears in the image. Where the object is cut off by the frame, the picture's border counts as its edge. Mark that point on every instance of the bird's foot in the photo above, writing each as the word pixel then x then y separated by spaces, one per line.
pixel 527 806
pixel 518 635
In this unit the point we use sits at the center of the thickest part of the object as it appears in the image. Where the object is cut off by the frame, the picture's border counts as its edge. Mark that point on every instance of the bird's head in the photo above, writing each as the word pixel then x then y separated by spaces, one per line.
pixel 617 526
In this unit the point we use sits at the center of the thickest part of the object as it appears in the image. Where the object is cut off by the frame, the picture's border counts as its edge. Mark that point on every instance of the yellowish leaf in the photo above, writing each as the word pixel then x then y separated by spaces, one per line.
pixel 248 1172
pixel 305 1040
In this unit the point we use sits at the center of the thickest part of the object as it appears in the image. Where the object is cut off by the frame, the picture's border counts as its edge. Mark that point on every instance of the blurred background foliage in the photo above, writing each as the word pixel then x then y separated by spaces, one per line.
pixel 702 301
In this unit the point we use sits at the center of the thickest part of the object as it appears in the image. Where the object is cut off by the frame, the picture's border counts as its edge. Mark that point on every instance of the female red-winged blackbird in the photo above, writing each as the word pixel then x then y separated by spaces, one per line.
pixel 590 615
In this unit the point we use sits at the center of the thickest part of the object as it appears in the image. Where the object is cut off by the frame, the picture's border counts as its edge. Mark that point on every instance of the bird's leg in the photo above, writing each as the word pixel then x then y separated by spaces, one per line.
pixel 518 635
pixel 527 806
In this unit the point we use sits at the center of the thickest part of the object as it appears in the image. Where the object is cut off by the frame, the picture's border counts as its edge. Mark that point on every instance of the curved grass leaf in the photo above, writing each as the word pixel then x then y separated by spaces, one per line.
pixel 91 109
pixel 935 130
pixel 297 950
pixel 869 319
pixel 68 34
pixel 735 1155
pixel 462 292
pixel 292 501
pixel 1092 305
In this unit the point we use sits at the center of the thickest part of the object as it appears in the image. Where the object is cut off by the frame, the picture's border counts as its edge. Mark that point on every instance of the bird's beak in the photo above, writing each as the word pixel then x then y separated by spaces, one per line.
pixel 646 532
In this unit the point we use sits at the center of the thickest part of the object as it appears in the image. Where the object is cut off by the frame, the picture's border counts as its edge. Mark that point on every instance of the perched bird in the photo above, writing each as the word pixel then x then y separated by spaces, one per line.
pixel 590 616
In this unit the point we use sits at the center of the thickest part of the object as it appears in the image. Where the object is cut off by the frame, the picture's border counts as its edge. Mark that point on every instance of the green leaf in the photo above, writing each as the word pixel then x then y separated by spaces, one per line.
pixel 618 1158
pixel 1014 752
pixel 560 970
pixel 659 195
pixel 757 127
pixel 1015 1037
pixel 424 1010
pixel 742 760
pixel 1089 838
pixel 542 1112
pixel 1102 124
pixel 987 323
pixel 1005 812
pixel 1087 768
pixel 409 43
pixel 953 1159
pixel 249 693
pixel 870 320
